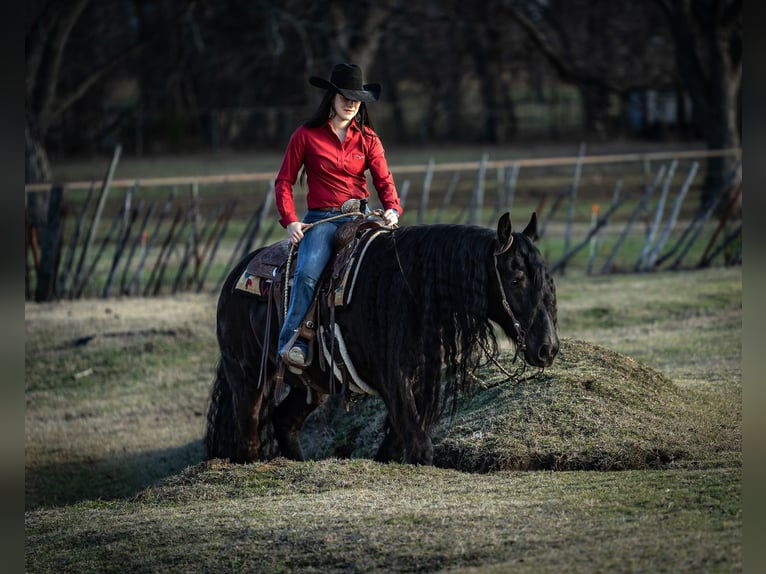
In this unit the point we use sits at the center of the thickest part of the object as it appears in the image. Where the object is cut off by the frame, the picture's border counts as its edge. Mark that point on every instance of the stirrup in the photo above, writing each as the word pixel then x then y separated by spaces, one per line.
pixel 295 359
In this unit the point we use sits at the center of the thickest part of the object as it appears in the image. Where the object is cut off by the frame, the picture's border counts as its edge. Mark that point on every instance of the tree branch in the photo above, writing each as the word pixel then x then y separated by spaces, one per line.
pixel 566 71
pixel 62 30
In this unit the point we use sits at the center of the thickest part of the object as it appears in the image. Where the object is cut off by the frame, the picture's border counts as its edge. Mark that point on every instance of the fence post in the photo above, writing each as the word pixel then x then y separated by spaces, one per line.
pixel 657 217
pixel 218 232
pixel 140 237
pixel 700 222
pixel 477 202
pixel 673 217
pixel 129 218
pixel 610 260
pixel 426 190
pixel 595 228
pixel 448 195
pixel 572 198
pixel 66 269
pixel 704 260
pixel 148 244
pixel 49 257
pixel 403 193
pixel 96 218
pixel 513 177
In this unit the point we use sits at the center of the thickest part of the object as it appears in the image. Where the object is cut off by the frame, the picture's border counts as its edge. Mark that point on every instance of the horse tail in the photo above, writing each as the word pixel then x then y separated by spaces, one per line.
pixel 222 434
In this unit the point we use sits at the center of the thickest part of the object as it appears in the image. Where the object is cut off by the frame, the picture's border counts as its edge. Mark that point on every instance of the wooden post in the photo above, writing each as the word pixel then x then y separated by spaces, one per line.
pixel 556 202
pixel 477 202
pixel 88 275
pixel 213 221
pixel 261 215
pixel 147 245
pixel 171 248
pixel 451 186
pixel 403 192
pixel 49 257
pixel 706 214
pixel 96 218
pixel 652 257
pixel 224 220
pixel 141 239
pixel 66 269
pixel 513 177
pixel 704 260
pixel 129 218
pixel 594 239
pixel 165 244
pixel 573 198
pixel 574 250
pixel 639 265
pixel 426 191
pixel 728 240
pixel 639 208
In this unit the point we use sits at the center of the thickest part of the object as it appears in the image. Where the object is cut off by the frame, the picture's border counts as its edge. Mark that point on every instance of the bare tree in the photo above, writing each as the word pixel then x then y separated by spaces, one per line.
pixel 708 50
pixel 706 37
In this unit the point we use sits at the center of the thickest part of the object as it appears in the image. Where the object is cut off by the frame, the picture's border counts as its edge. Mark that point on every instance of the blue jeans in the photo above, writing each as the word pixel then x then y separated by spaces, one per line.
pixel 314 251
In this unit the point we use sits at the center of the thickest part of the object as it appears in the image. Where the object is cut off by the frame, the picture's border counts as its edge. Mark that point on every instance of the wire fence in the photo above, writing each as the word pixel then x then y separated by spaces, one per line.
pixel 168 235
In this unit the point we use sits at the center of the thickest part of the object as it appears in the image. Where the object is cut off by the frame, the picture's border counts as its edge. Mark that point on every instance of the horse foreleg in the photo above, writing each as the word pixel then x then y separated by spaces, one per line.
pixel 406 439
pixel 289 417
pixel 391 449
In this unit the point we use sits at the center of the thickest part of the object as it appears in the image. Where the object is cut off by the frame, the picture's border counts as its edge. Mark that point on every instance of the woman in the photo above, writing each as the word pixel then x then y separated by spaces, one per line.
pixel 335 148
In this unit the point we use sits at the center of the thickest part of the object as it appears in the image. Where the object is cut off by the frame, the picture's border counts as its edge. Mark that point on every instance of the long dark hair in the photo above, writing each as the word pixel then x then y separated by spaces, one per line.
pixel 325 107
pixel 323 112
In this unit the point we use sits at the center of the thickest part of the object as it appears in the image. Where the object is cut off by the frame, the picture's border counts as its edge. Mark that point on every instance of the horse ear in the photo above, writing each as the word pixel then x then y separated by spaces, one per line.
pixel 504 233
pixel 531 229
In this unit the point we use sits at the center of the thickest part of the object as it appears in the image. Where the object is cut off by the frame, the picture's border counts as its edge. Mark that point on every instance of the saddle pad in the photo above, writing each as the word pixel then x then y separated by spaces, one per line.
pixel 347 275
pixel 253 284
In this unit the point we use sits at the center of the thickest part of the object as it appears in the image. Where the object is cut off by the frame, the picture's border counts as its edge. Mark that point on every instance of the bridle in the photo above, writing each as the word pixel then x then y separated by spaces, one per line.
pixel 521 345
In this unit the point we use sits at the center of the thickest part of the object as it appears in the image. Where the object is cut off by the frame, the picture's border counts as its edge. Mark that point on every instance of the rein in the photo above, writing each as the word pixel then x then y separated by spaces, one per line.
pixel 291 253
pixel 520 335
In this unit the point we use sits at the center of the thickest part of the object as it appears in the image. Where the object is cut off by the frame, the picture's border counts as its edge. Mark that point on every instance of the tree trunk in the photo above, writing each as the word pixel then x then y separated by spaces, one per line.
pixel 709 59
pixel 37 170
pixel 722 131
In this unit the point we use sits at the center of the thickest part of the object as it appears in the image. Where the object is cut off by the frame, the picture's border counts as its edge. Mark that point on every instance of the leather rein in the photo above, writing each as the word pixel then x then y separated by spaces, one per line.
pixel 520 334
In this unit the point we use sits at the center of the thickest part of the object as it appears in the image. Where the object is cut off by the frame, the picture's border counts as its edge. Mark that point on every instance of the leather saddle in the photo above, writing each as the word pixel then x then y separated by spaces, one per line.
pixel 273 266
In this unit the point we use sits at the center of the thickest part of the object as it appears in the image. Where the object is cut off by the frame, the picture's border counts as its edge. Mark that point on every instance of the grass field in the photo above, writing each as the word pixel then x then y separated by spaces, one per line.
pixel 648 381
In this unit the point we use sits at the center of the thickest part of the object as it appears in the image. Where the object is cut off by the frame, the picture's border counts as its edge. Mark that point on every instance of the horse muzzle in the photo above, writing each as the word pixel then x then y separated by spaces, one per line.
pixel 542 354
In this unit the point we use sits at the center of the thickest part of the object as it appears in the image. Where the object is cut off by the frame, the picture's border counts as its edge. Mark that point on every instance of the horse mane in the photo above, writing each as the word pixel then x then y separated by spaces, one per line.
pixel 433 282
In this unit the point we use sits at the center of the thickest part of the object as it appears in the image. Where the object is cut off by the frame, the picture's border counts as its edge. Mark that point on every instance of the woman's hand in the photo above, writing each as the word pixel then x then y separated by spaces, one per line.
pixel 295 232
pixel 391 217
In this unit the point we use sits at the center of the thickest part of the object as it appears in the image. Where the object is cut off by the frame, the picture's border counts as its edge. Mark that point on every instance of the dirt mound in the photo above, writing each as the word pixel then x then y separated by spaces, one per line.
pixel 593 410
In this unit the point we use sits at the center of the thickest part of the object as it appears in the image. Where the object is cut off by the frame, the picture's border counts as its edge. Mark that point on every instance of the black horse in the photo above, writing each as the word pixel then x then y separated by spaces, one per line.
pixel 420 322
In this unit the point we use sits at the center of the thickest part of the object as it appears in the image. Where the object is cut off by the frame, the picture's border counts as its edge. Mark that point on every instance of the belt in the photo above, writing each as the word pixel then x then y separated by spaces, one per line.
pixel 335 209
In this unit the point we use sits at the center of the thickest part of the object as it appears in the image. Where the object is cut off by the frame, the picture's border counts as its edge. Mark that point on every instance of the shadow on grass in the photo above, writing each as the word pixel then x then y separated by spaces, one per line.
pixel 120 476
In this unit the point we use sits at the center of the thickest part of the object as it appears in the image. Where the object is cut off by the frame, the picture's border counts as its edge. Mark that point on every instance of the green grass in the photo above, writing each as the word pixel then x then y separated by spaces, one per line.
pixel 360 516
pixel 648 380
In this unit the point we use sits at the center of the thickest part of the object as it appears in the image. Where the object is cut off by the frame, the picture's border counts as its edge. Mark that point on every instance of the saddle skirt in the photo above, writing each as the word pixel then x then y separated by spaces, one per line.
pixel 269 269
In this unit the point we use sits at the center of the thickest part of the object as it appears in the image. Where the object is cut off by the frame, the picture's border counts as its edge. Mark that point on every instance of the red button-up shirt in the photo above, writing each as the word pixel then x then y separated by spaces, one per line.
pixel 335 171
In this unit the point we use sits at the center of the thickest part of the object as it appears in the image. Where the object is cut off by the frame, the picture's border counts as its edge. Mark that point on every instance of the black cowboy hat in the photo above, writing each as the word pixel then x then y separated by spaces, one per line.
pixel 347 79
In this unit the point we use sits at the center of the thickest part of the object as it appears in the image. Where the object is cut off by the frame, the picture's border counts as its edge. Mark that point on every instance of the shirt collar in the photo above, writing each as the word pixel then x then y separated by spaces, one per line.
pixel 353 125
